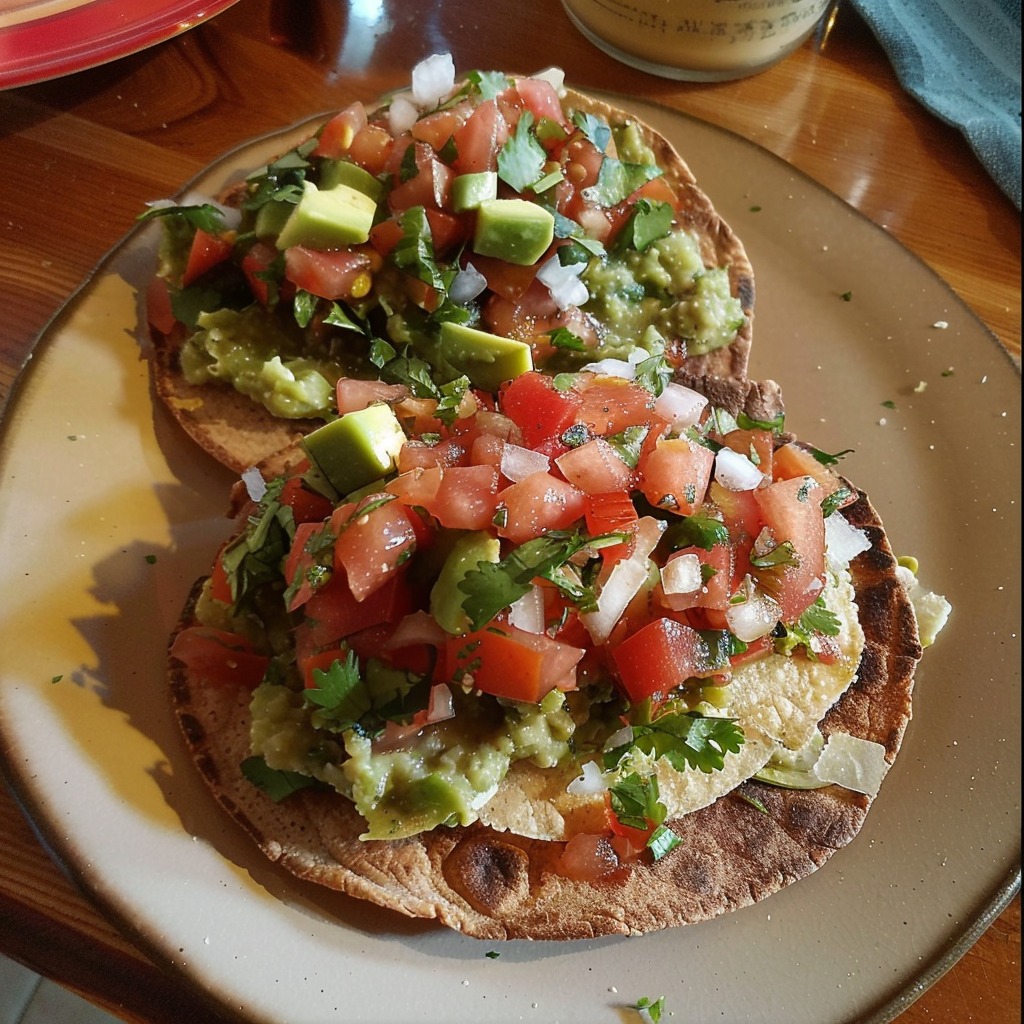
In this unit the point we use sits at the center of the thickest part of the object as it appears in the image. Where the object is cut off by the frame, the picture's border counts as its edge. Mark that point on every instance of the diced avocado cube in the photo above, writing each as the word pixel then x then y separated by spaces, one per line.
pixel 271 217
pixel 486 359
pixel 470 190
pixel 343 172
pixel 356 448
pixel 445 597
pixel 514 230
pixel 328 219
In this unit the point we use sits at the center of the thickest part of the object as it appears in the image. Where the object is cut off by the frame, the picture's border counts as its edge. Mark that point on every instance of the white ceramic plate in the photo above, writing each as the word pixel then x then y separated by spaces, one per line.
pixel 107 513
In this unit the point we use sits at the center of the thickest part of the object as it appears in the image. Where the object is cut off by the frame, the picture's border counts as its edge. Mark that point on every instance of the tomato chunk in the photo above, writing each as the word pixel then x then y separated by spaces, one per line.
pixel 674 475
pixel 538 504
pixel 538 408
pixel 658 658
pixel 372 544
pixel 219 658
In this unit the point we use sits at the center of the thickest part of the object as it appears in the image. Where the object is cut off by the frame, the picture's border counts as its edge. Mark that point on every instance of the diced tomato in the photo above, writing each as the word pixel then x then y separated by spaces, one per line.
pixel 538 504
pixel 587 857
pixel 385 235
pixel 337 135
pixel 418 454
pixel 540 98
pixel 255 264
pixel 337 274
pixel 437 128
pixel 538 408
pixel 300 560
pixel 307 506
pixel 371 148
pixel 658 658
pixel 218 658
pixel 448 230
pixel 595 468
pixel 514 664
pixel 417 486
pixel 610 405
pixel 220 585
pixel 508 280
pixel 792 511
pixel 158 306
pixel 429 187
pixel 478 140
pixel 792 460
pixel 466 497
pixel 609 513
pixel 373 544
pixel 333 611
pixel 674 475
pixel 756 445
pixel 354 394
pixel 207 252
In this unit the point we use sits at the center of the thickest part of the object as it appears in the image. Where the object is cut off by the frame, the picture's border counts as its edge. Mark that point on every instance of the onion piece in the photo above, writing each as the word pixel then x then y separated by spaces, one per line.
pixel 590 783
pixel 754 617
pixel 527 613
pixel 432 80
pixel 468 284
pixel 402 114
pixel 620 585
pixel 843 542
pixel 519 463
pixel 681 575
pixel 681 406
pixel 255 485
pixel 563 282
pixel 735 472
pixel 554 76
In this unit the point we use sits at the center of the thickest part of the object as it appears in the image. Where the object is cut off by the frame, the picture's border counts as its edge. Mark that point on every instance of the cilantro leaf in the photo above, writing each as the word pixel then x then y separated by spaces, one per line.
pixel 340 692
pixel 653 373
pixel 414 252
pixel 595 128
pixel 276 783
pixel 699 530
pixel 203 216
pixel 775 425
pixel 836 500
pixel 635 802
pixel 781 554
pixel 521 160
pixel 448 404
pixel 627 445
pixel 685 739
pixel 818 619
pixel 617 180
pixel 653 1009
pixel 489 83
pixel 648 221
pixel 562 337
pixel 830 460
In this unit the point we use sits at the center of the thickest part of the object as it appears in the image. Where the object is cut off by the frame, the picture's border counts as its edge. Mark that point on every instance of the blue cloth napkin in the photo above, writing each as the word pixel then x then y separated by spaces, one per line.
pixel 961 60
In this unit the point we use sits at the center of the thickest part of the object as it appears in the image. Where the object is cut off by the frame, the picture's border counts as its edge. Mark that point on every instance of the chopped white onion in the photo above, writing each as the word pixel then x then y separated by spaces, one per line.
pixel 681 406
pixel 852 763
pixel 753 618
pixel 255 485
pixel 468 284
pixel 681 575
pixel 843 542
pixel 402 114
pixel 735 472
pixel 432 80
pixel 554 75
pixel 527 613
pixel 612 368
pixel 590 783
pixel 519 463
pixel 619 738
pixel 623 582
pixel 563 282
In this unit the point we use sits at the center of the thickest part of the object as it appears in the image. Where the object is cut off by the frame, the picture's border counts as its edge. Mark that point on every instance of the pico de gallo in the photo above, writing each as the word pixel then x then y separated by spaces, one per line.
pixel 488 204
pixel 568 572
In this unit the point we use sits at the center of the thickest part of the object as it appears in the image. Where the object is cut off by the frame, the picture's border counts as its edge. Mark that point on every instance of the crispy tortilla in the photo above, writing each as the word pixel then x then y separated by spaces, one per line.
pixel 746 845
pixel 240 433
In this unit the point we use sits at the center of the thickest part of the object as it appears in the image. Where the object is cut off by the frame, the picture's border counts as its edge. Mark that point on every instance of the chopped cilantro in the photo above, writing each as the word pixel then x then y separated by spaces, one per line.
pixel 151 559
pixel 830 460
pixel 653 373
pixel 846 296
pixel 889 404
pixel 780 555
pixel 684 739
pixel 699 530
pixel 627 445
pixel 647 222
pixel 414 252
pixel 492 954
pixel 616 180
pixel 277 784
pixel 448 404
pixel 595 128
pixel 775 425
pixel 205 216
pixel 652 1009
pixel 817 619
pixel 521 159
pixel 489 83
pixel 562 337
pixel 56 679
pixel 836 500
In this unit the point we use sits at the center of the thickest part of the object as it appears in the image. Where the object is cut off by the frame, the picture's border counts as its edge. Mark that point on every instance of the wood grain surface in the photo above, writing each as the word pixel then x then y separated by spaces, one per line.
pixel 83 154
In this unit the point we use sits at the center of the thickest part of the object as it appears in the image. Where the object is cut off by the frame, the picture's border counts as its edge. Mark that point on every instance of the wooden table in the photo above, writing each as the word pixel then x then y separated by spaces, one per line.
pixel 82 155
